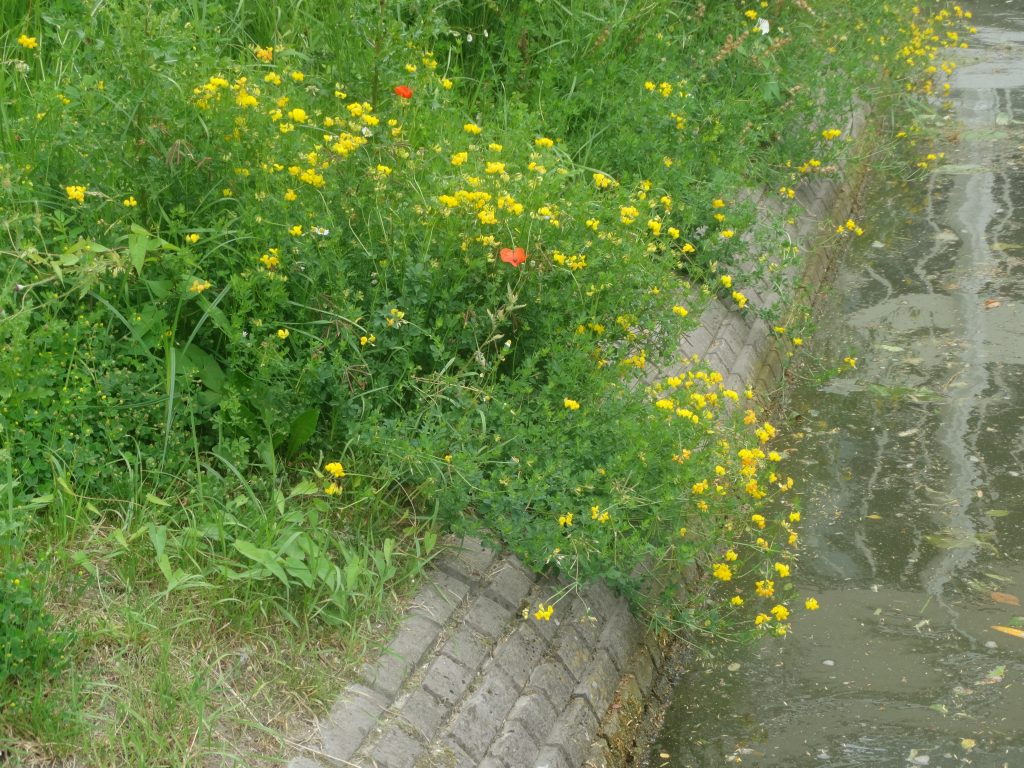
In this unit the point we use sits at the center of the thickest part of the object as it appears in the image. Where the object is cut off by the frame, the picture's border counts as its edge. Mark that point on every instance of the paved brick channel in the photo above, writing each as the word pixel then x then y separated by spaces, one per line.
pixel 468 683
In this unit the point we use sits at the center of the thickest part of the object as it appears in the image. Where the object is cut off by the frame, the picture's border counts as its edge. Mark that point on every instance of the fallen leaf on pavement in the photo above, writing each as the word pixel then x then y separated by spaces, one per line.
pixel 1009 631
pixel 1005 598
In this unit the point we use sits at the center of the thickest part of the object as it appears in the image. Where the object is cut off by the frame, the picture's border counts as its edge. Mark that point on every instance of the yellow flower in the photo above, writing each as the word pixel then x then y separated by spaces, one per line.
pixel 297 76
pixel 565 521
pixel 198 286
pixel 682 533
pixel 290 195
pixel 471 128
pixel 129 202
pixel 298 115
pixel 797 341
pixel 757 520
pixel 332 489
pixel 730 555
pixel 726 233
pixel 335 469
pixel 782 569
pixel 283 333
pixel 721 571
pixel 811 604
pixel 726 281
pixel 681 311
pixel 27 42
pixel 295 231
pixel 572 405
pixel 272 77
pixel 780 612
pixel 761 618
pixel 76 192
pixel 446 83
pixel 543 142
pixel 264 54
pixel 542 613
pixel 718 203
pixel 192 238
pixel 459 158
pixel 736 600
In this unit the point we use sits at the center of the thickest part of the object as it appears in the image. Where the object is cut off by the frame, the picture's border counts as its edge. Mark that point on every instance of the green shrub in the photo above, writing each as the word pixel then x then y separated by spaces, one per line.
pixel 441 246
pixel 31 649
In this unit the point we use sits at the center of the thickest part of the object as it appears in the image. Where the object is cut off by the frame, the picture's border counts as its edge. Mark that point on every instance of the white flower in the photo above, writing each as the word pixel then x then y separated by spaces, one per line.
pixel 762 24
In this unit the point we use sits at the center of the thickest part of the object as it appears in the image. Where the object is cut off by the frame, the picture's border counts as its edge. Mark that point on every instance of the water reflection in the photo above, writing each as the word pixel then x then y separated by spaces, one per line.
pixel 913 488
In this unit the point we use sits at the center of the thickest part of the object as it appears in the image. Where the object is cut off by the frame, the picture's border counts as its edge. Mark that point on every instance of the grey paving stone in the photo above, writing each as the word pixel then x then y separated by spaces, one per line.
pixel 552 757
pixel 573 653
pixel 447 680
pixel 455 756
pixel 510 584
pixel 396 749
pixel 423 712
pixel 574 731
pixel 620 636
pixel 584 621
pixel 553 680
pixel 488 617
pixel 482 714
pixel 304 762
pixel 696 341
pixel 600 599
pixel 643 669
pixel 467 647
pixel 599 683
pixel 535 712
pixel 520 652
pixel 351 718
pixel 438 597
pixel 416 635
pixel 466 559
pixel 514 746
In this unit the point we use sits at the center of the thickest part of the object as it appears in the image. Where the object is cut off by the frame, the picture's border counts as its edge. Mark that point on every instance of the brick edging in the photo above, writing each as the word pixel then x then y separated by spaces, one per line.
pixel 468 683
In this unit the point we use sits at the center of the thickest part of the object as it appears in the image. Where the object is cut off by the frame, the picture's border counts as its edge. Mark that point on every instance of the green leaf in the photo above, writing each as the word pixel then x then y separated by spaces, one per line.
pixel 301 430
pixel 264 557
pixel 304 488
pixel 158 537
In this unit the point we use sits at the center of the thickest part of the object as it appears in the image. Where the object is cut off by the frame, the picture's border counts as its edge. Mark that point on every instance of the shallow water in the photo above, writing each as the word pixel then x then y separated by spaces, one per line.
pixel 912 473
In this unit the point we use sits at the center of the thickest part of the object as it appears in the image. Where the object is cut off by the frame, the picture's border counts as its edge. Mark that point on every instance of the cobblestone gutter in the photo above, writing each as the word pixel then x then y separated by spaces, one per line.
pixel 467 683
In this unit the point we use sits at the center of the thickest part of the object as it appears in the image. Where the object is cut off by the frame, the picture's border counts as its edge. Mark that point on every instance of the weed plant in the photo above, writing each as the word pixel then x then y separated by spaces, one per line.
pixel 288 289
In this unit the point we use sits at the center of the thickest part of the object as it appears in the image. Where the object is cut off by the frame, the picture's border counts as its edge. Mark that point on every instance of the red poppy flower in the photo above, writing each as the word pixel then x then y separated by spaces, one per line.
pixel 513 257
pixel 404 91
